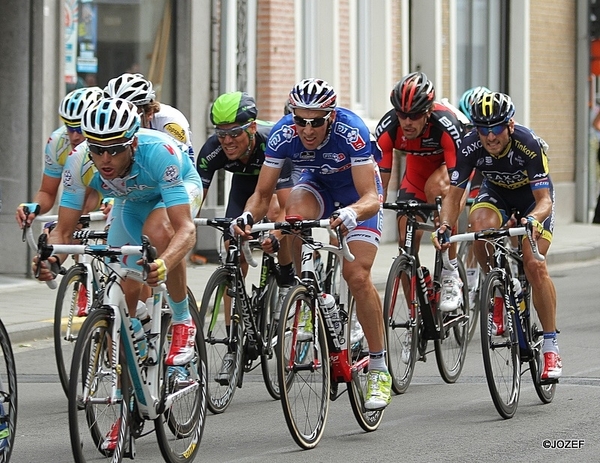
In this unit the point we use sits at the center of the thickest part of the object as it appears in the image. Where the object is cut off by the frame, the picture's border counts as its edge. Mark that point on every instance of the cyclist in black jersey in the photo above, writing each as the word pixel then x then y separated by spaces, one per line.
pixel 238 146
pixel 514 165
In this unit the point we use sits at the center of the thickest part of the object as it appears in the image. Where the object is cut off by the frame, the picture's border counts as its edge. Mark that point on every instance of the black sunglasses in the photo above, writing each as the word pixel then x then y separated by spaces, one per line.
pixel 233 133
pixel 113 150
pixel 496 130
pixel 314 122
pixel 412 117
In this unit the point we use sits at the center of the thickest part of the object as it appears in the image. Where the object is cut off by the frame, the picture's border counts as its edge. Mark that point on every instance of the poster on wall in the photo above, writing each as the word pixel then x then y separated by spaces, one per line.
pixel 87 61
pixel 71 20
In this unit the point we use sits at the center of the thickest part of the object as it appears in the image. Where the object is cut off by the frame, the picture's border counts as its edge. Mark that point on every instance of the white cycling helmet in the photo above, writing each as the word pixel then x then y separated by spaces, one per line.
pixel 74 104
pixel 312 94
pixel 110 119
pixel 131 87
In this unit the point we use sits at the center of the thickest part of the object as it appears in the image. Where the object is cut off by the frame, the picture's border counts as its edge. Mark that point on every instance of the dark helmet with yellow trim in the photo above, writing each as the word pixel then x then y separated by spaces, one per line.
pixel 413 94
pixel 491 109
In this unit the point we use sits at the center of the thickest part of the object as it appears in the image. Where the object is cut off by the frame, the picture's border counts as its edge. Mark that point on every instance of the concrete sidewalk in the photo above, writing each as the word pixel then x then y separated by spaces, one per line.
pixel 27 306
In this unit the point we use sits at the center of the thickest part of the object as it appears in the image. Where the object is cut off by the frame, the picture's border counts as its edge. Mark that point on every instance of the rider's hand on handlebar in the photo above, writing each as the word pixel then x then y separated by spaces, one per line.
pixel 270 244
pixel 344 218
pixel 26 212
pixel 441 237
pixel 156 271
pixel 536 227
pixel 242 225
pixel 49 268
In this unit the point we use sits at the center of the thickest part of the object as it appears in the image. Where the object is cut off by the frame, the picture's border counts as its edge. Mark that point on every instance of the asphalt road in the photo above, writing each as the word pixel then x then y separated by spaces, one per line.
pixel 432 421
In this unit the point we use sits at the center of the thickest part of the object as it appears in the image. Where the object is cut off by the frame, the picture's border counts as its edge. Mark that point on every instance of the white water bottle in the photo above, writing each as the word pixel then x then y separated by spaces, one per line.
pixel 141 313
pixel 519 294
pixel 328 302
pixel 139 338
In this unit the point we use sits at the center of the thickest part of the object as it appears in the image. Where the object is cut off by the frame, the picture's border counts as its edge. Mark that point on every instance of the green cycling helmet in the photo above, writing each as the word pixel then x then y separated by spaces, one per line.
pixel 233 107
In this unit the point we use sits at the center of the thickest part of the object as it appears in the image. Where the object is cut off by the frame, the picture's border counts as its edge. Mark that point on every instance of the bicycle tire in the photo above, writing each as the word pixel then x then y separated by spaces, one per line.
pixel 358 348
pixel 501 356
pixel 463 252
pixel 91 368
pixel 401 326
pixel 532 327
pixel 218 340
pixel 268 329
pixel 71 293
pixel 186 418
pixel 451 348
pixel 303 373
pixel 8 393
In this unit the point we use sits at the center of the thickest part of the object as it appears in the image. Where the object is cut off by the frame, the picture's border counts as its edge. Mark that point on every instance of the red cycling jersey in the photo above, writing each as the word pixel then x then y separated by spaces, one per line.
pixel 437 145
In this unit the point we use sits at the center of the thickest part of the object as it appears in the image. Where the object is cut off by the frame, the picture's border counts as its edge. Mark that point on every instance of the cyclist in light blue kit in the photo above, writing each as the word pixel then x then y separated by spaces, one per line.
pixel 332 147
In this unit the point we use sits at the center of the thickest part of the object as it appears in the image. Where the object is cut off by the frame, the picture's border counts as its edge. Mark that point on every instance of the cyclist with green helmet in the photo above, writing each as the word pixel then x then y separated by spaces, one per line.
pixel 238 146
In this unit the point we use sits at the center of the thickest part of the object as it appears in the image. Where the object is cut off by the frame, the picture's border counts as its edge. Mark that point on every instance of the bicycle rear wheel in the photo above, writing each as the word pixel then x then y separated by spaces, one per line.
pixel 219 341
pixel 532 325
pixel 303 367
pixel 401 325
pixel 92 415
pixel 179 429
pixel 8 395
pixel 70 298
pixel 466 254
pixel 357 350
pixel 501 358
pixel 451 348
pixel 268 329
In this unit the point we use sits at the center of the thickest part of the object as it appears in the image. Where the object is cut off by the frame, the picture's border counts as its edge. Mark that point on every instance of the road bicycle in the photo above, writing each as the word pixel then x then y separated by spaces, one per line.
pixel 112 383
pixel 521 342
pixel 252 333
pixel 79 290
pixel 8 396
pixel 318 347
pixel 410 308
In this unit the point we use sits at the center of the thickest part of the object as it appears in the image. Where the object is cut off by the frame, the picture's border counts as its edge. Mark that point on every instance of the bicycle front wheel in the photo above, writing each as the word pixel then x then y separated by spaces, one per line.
pixel 268 329
pixel 401 323
pixel 179 429
pixel 97 424
pixel 8 396
pixel 532 325
pixel 358 351
pixel 220 341
pixel 500 351
pixel 303 367
pixel 72 300
pixel 451 348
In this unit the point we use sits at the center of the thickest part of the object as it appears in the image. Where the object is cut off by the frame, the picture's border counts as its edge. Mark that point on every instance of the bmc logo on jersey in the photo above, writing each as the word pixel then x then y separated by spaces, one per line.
pixel 285 134
pixel 351 134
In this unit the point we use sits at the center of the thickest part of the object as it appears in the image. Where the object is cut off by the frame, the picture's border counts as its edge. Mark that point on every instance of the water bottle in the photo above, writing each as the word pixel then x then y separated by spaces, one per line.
pixel 519 294
pixel 328 302
pixel 139 338
pixel 4 430
pixel 142 314
pixel 428 282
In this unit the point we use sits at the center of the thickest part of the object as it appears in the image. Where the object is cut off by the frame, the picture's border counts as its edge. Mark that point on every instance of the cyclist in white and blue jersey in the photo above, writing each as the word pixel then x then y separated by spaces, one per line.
pixel 60 143
pixel 332 147
pixel 157 191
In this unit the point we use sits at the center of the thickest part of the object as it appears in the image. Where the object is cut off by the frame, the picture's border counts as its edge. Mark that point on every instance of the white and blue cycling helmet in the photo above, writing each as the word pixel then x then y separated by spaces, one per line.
pixel 110 119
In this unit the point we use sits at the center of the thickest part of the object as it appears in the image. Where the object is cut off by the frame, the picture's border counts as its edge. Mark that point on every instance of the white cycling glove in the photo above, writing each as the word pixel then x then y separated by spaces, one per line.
pixel 244 219
pixel 348 217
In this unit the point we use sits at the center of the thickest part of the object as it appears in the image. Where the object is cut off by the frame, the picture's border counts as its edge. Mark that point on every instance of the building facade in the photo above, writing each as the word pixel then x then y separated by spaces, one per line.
pixel 193 50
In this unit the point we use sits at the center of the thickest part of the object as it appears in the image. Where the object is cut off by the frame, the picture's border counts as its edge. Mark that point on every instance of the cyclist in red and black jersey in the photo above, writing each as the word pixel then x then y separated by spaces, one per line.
pixel 430 134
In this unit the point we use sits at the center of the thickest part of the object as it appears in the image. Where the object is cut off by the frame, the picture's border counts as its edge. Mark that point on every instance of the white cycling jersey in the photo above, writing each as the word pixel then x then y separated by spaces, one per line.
pixel 172 122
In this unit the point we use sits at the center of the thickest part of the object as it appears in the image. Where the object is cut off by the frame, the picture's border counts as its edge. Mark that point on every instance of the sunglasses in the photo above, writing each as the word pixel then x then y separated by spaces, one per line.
pixel 412 117
pixel 113 150
pixel 496 130
pixel 314 122
pixel 233 133
pixel 73 128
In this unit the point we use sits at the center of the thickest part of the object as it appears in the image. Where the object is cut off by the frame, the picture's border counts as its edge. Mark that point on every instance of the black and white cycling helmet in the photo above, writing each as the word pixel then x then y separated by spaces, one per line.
pixel 312 94
pixel 413 94
pixel 74 104
pixel 491 109
pixel 131 87
pixel 110 119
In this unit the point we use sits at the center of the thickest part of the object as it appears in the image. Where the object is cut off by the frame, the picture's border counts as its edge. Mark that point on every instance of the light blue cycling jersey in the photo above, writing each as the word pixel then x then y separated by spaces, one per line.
pixel 160 168
pixel 56 152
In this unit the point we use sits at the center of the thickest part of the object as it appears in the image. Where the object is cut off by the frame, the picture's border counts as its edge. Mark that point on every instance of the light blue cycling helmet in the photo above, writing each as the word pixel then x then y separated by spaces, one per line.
pixel 467 98
pixel 110 119
pixel 74 104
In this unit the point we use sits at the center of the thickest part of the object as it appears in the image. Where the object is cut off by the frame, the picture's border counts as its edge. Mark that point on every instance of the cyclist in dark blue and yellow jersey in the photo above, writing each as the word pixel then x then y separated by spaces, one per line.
pixel 514 165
